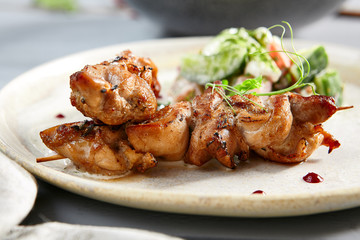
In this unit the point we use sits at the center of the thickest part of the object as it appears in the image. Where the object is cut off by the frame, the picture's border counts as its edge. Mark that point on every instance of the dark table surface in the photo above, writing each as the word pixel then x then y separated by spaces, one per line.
pixel 30 36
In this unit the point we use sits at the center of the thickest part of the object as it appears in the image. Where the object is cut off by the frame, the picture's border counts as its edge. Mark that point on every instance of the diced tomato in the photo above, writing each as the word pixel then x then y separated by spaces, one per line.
pixel 280 58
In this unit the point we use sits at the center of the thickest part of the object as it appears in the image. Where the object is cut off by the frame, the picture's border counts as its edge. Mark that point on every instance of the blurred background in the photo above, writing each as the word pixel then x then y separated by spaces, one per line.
pixel 35 31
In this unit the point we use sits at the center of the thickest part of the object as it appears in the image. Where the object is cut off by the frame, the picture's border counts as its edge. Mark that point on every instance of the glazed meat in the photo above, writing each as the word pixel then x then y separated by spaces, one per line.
pixel 302 141
pixel 306 133
pixel 118 91
pixel 165 135
pixel 263 124
pixel 96 148
pixel 141 66
pixel 127 131
pixel 214 133
pixel 315 109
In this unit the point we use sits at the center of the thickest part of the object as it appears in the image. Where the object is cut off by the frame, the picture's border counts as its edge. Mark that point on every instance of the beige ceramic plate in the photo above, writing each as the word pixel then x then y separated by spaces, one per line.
pixel 17 194
pixel 31 102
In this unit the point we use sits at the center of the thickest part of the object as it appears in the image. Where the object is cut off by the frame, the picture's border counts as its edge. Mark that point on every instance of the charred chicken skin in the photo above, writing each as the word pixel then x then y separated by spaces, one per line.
pixel 98 149
pixel 262 124
pixel 118 91
pixel 165 135
pixel 297 131
pixel 214 134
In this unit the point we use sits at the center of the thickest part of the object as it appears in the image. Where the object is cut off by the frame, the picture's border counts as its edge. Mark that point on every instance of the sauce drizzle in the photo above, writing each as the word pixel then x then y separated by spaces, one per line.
pixel 312 177
pixel 60 116
pixel 259 192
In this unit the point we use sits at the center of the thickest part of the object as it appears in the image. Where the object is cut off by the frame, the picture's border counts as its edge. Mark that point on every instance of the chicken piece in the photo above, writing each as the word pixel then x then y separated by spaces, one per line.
pixel 143 67
pixel 96 148
pixel 315 109
pixel 306 133
pixel 118 91
pixel 262 124
pixel 165 135
pixel 214 132
pixel 302 141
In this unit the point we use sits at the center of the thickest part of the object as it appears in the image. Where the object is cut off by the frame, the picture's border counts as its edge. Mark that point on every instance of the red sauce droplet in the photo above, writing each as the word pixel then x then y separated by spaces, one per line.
pixel 60 116
pixel 312 177
pixel 259 192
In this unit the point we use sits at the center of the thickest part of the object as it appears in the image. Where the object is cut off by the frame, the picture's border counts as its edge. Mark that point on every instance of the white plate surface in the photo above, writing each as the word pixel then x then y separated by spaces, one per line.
pixel 17 194
pixel 30 103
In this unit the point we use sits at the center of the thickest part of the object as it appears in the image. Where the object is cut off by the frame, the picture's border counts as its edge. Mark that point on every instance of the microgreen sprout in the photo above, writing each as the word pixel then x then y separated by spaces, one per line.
pixel 240 89
pixel 215 87
pixel 248 85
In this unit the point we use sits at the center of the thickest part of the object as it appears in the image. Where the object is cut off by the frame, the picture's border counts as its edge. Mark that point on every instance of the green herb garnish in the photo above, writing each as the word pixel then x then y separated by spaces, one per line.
pixel 248 85
pixel 240 89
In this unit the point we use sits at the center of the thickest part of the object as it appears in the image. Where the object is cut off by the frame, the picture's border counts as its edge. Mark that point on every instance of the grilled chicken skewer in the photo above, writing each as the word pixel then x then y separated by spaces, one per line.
pixel 99 149
pixel 127 132
pixel 285 128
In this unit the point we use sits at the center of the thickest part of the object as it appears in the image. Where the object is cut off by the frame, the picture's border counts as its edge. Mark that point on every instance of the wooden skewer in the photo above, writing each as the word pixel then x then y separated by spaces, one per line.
pixel 350 13
pixel 50 158
pixel 343 108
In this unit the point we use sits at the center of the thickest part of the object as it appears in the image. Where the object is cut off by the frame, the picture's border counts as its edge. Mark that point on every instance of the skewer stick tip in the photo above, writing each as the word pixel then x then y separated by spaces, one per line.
pixel 343 108
pixel 49 158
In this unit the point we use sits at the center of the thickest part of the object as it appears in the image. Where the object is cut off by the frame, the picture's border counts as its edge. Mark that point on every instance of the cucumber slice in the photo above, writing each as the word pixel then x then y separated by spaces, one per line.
pixel 318 60
pixel 208 68
pixel 329 83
